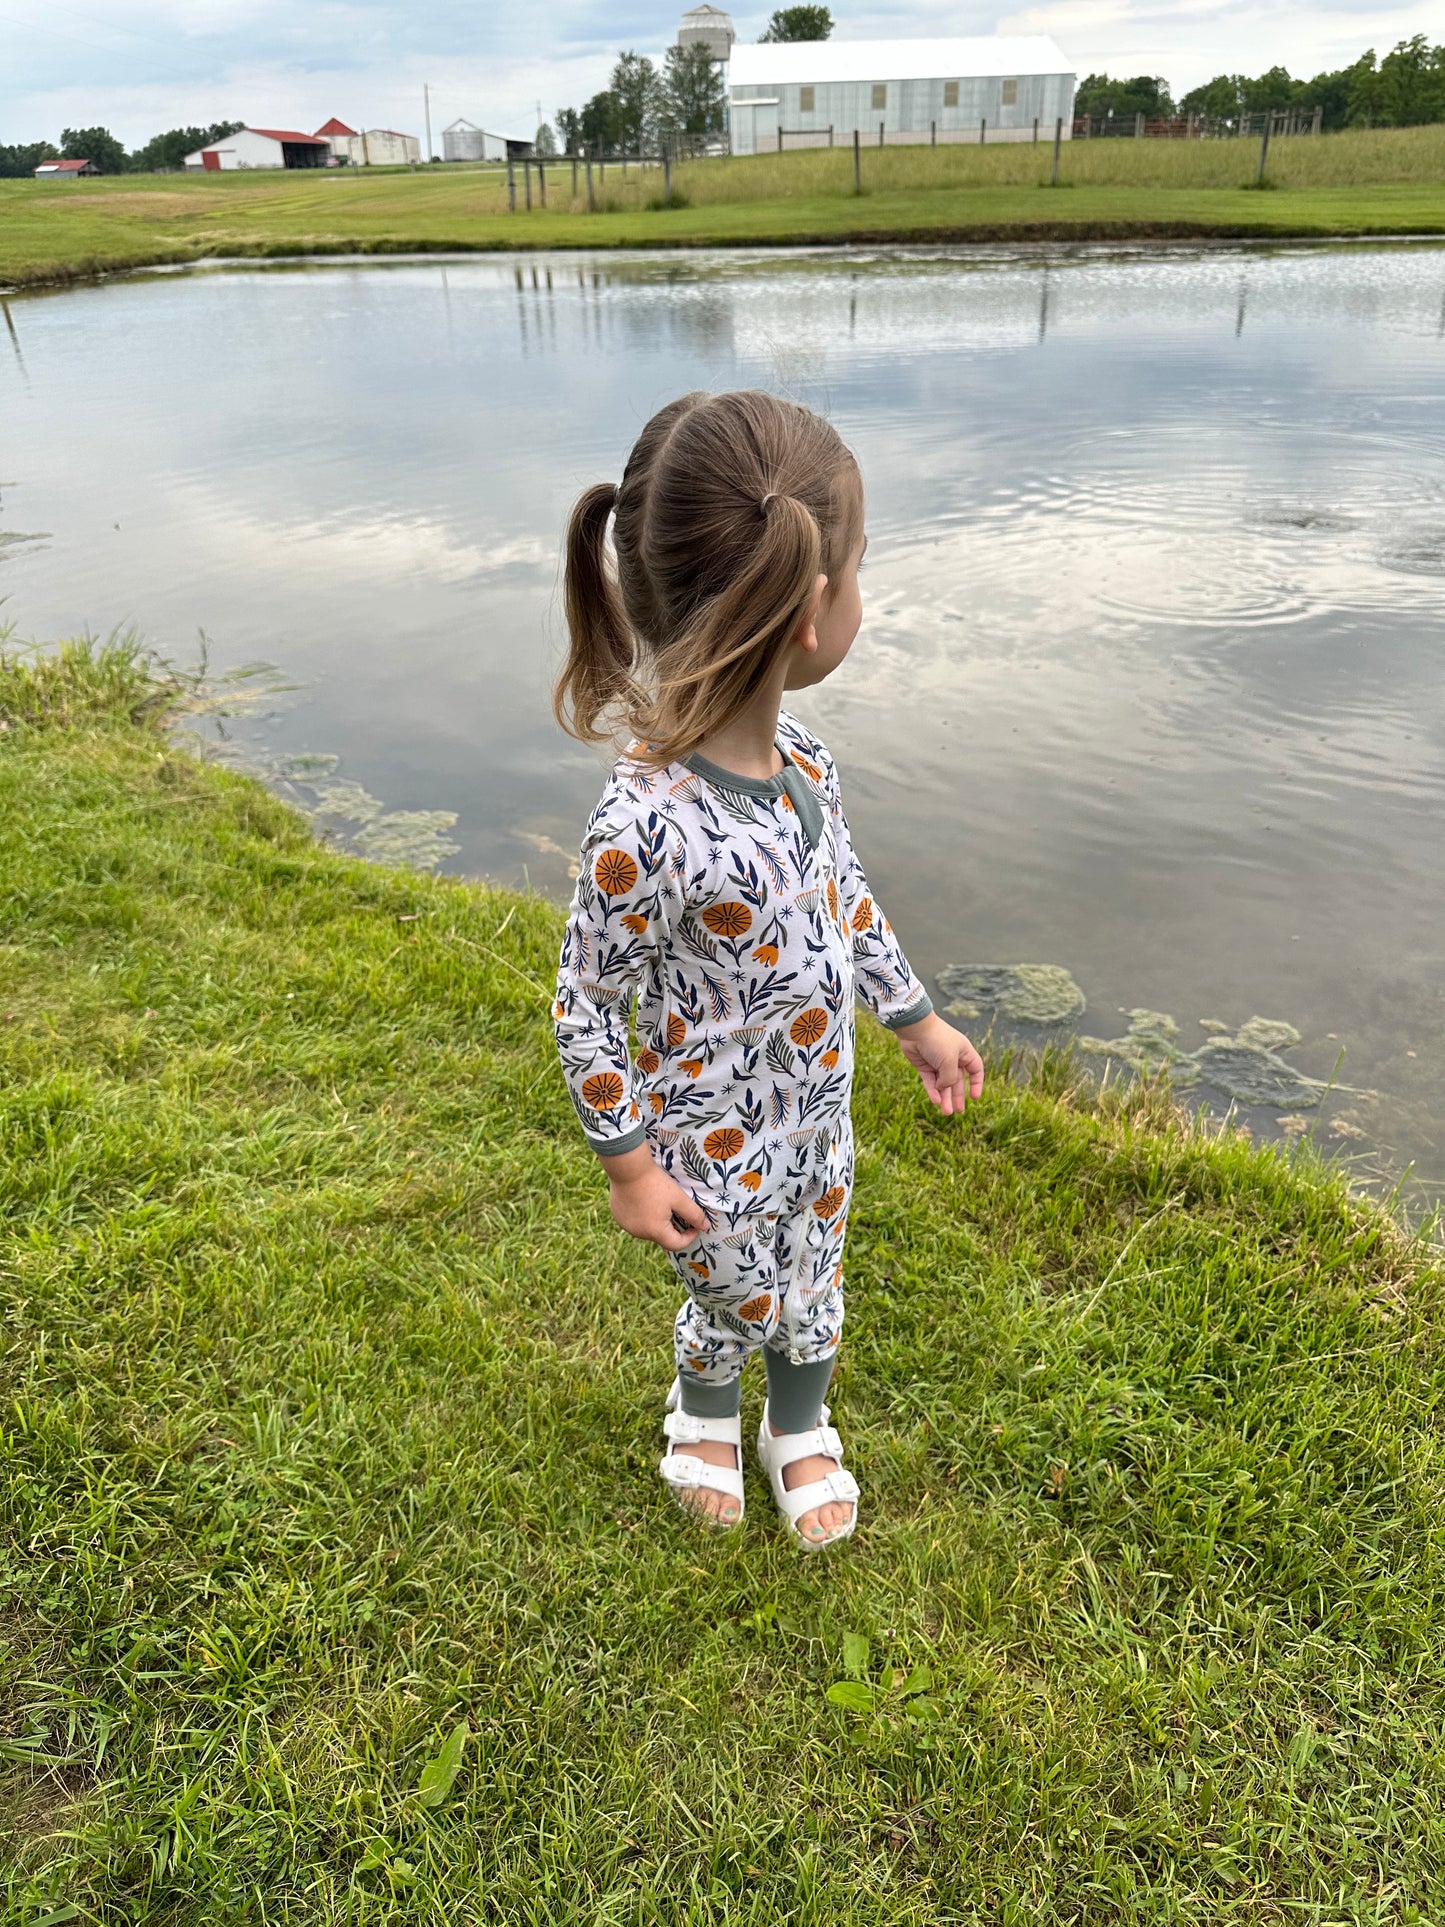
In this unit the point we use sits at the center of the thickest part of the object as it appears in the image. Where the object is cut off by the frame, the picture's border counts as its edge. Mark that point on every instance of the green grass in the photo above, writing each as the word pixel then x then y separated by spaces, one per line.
pixel 332 1399
pixel 1388 181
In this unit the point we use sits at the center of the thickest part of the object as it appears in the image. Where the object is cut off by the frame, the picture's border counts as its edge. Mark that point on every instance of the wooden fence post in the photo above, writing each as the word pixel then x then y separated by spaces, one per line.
pixel 830 134
pixel 542 181
pixel 880 133
pixel 591 204
pixel 511 185
pixel 933 133
pixel 1036 130
pixel 857 165
pixel 1319 120
pixel 574 177
pixel 780 139
pixel 982 132
pixel 1263 151
pixel 527 181
pixel 667 175
pixel 1058 143
pixel 1138 127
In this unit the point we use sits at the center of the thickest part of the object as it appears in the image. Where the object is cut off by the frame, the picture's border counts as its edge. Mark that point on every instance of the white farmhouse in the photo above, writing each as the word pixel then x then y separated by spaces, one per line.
pixel 814 91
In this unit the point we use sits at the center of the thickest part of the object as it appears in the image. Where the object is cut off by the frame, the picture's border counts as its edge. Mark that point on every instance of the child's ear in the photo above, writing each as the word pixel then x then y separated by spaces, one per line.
pixel 806 635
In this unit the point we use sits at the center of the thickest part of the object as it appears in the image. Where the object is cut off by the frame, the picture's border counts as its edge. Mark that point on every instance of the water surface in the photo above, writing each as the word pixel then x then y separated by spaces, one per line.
pixel 1150 681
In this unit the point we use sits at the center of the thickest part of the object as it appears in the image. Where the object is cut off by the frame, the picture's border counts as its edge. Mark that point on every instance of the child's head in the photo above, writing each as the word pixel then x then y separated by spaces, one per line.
pixel 730 509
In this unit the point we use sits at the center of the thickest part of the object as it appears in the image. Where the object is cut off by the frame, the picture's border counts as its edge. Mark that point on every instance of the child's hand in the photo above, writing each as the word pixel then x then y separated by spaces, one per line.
pixel 951 1069
pixel 649 1204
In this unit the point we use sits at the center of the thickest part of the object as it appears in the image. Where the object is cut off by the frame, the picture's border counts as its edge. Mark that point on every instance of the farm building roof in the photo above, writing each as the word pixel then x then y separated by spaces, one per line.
pixel 281 134
pixel 787 62
pixel 61 167
pixel 334 126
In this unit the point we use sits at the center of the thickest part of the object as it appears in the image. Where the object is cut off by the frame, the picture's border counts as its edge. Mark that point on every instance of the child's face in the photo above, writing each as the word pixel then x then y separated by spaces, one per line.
pixel 834 627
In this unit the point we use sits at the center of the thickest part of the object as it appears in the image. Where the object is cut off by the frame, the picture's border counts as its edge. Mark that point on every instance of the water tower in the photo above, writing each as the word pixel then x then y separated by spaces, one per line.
pixel 707 27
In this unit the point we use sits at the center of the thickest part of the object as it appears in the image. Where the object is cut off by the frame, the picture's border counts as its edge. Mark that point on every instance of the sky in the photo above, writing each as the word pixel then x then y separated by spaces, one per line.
pixel 139 69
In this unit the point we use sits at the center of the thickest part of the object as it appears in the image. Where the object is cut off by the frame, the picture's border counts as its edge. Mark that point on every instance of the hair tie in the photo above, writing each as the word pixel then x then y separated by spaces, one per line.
pixel 763 505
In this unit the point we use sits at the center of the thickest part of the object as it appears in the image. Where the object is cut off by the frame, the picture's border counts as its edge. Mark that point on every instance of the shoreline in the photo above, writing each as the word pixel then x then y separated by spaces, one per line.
pixel 1147 237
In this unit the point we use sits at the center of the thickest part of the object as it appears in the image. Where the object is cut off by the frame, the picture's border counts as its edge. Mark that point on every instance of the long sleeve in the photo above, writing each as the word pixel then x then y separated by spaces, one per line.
pixel 883 977
pixel 626 900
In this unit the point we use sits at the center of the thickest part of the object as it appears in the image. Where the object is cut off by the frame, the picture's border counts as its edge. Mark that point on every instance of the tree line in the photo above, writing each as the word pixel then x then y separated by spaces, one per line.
pixel 1405 89
pixel 101 148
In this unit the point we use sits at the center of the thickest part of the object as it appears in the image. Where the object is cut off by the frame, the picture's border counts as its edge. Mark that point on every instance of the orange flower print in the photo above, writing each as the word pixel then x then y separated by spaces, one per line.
pixel 757 1309
pixel 560 1011
pixel 808 769
pixel 696 1264
pixel 603 1092
pixel 829 1060
pixel 722 1145
pixel 786 800
pixel 809 1027
pixel 832 899
pixel 752 1179
pixel 765 953
pixel 647 1062
pixel 655 1099
pixel 692 1065
pixel 863 915
pixel 615 872
pixel 634 1109
pixel 728 919
pixel 676 1030
pixel 635 923
pixel 831 1202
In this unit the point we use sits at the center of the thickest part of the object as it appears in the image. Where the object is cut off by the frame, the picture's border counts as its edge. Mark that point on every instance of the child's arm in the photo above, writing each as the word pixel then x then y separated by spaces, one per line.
pixel 622 907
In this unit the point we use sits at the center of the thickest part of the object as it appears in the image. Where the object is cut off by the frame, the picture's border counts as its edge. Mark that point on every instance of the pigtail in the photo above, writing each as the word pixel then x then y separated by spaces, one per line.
pixel 716 662
pixel 597 676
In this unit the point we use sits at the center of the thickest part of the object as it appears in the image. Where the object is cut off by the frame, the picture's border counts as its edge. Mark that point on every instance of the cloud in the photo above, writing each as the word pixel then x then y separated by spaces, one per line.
pixel 138 69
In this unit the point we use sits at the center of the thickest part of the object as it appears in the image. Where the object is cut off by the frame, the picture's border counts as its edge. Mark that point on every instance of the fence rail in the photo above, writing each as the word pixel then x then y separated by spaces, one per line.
pixel 1280 121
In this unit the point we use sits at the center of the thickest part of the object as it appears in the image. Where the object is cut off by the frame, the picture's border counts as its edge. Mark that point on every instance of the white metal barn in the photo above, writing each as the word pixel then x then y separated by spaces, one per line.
pixel 262 147
pixel 913 90
pixel 463 141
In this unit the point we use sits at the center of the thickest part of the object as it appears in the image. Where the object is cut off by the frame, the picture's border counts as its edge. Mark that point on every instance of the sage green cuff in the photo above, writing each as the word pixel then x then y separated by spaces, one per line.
pixel 613 1147
pixel 921 1007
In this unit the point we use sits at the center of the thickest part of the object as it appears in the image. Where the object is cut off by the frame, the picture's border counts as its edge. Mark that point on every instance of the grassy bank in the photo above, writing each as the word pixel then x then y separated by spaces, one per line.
pixel 331 1400
pixel 1390 181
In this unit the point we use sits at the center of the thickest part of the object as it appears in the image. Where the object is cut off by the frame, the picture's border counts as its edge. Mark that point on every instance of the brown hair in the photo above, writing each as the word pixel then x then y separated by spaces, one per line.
pixel 730 508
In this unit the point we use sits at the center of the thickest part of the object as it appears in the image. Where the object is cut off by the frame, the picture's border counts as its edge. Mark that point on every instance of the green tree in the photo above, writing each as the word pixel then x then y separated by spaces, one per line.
pixel 1334 93
pixel 1219 99
pixel 692 92
pixel 636 87
pixel 569 130
pixel 170 150
pixel 1146 94
pixel 798 23
pixel 545 143
pixel 1272 90
pixel 94 144
pixel 598 123
pixel 18 163
pixel 1410 88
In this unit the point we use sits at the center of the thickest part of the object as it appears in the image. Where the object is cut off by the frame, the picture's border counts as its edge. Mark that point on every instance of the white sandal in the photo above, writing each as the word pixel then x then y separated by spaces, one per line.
pixel 684 1473
pixel 781 1450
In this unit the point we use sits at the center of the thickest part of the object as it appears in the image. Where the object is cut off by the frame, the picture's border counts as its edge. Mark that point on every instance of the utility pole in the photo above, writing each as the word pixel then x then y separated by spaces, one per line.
pixel 426 108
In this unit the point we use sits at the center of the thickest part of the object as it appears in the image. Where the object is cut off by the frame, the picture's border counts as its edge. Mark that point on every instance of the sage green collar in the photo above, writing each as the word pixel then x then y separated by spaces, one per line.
pixel 789 781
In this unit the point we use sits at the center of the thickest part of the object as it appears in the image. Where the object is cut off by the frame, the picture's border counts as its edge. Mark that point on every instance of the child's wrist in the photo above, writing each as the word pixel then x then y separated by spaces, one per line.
pixel 628 1167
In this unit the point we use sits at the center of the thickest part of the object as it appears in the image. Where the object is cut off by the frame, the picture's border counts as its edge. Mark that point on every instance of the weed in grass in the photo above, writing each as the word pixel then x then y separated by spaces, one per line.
pixel 340 1586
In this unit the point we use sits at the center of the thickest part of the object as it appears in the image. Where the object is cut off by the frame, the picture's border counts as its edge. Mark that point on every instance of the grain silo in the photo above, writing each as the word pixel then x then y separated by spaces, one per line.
pixel 707 27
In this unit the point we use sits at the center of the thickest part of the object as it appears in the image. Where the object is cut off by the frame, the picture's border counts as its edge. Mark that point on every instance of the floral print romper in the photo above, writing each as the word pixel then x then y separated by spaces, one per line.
pixel 735 915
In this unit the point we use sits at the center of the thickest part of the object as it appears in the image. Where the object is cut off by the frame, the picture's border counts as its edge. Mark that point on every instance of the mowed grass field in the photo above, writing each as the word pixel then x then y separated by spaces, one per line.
pixel 339 1585
pixel 1387 181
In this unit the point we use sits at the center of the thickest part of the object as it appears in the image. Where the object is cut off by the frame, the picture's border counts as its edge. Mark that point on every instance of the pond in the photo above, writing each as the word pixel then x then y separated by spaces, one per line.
pixel 1151 684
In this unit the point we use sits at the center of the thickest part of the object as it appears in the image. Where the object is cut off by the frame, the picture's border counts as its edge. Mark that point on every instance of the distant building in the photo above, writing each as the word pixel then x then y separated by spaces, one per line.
pixel 463 141
pixel 64 170
pixel 707 27
pixel 262 147
pixel 374 147
pixel 911 90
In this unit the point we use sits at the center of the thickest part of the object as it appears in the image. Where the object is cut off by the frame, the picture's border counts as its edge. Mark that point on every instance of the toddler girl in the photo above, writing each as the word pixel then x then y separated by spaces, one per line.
pixel 719 892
